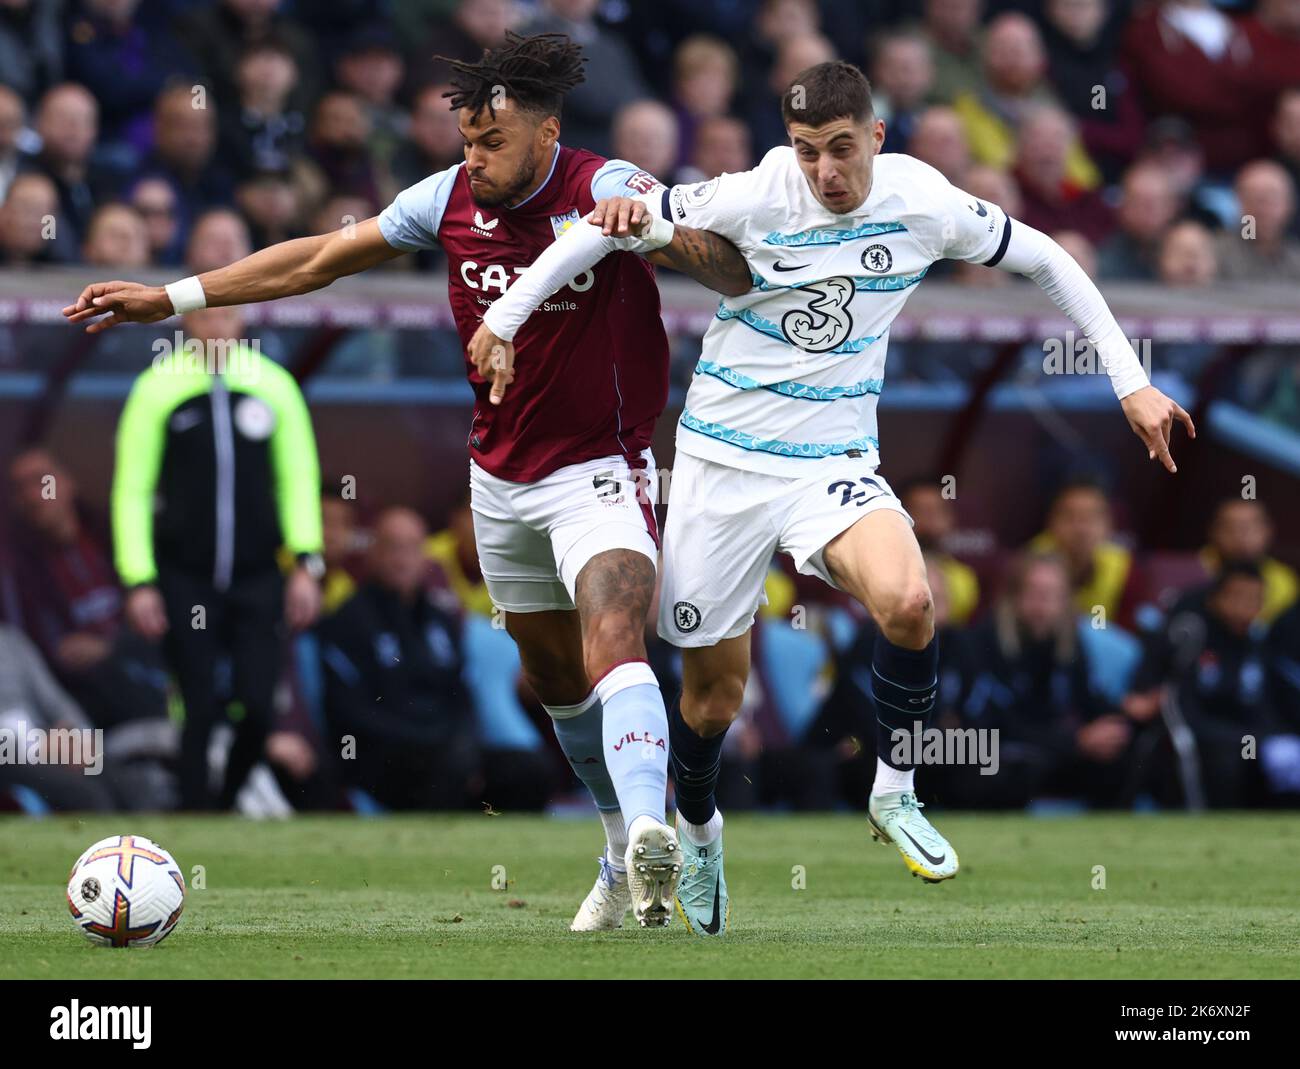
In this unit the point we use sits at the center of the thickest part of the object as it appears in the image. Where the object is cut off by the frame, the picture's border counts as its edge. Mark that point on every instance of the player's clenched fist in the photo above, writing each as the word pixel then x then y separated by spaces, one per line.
pixel 494 359
pixel 1151 415
pixel 125 302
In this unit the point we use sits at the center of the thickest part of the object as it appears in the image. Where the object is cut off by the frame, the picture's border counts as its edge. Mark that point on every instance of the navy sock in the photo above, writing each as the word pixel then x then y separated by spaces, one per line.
pixel 696 763
pixel 904 683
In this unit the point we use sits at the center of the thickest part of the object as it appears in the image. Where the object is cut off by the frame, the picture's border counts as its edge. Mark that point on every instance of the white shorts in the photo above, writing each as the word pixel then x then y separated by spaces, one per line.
pixel 534 538
pixel 725 523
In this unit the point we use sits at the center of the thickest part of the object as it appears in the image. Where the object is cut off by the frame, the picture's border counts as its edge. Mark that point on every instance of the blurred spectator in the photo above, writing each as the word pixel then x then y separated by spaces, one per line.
pixel 1284 665
pixel 1052 199
pixel 155 200
pixel 28 220
pixel 1209 664
pixel 1148 204
pixel 474 25
pixel 1029 680
pixel 1187 256
pixel 185 141
pixel 612 78
pixel 339 537
pixel 1261 248
pixel 953 28
pixel 902 76
pixel 12 116
pixel 721 147
pixel 1189 59
pixel 1171 145
pixel 67 122
pixel 934 519
pixel 338 144
pixel 793 56
pixel 217 34
pixel 32 701
pixel 393 683
pixel 117 237
pixel 1286 136
pixel 124 60
pixel 705 78
pixel 31 46
pixel 433 142
pixel 1272 31
pixel 1241 530
pixel 270 203
pixel 1080 249
pixel 1082 39
pixel 1101 572
pixel 371 66
pixel 220 237
pixel 260 131
pixel 1014 92
pixel 645 134
pixel 939 139
pixel 69 600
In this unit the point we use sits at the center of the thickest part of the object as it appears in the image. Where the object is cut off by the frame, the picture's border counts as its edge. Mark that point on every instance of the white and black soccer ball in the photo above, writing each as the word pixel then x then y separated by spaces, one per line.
pixel 126 891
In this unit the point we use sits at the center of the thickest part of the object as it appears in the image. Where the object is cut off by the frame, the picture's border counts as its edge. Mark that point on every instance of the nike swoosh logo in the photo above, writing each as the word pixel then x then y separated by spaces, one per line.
pixel 713 925
pixel 981 210
pixel 924 852
pixel 778 266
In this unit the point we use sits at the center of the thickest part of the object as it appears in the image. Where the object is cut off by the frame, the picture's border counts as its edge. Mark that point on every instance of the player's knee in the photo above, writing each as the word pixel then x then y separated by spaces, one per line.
pixel 555 676
pixel 709 707
pixel 609 638
pixel 907 619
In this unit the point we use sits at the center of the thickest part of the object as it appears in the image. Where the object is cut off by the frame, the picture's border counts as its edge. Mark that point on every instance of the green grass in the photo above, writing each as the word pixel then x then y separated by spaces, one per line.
pixel 1211 896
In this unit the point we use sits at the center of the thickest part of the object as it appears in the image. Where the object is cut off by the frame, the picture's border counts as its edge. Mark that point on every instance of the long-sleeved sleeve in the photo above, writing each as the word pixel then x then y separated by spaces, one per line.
pixel 296 468
pixel 141 435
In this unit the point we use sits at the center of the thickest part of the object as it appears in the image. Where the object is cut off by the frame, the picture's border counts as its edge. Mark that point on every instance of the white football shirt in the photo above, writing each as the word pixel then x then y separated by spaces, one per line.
pixel 791 372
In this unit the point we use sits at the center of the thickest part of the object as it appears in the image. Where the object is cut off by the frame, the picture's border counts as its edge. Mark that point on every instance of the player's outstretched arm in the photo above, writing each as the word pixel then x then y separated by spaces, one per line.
pixel 708 258
pixel 1150 413
pixel 282 270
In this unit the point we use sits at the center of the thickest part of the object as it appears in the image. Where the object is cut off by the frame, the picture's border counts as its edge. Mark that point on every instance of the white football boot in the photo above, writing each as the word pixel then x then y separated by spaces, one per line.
pixel 654 865
pixel 607 903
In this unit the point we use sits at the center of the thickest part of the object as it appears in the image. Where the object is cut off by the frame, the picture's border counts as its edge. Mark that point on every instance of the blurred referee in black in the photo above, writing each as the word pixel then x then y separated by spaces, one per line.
pixel 216 473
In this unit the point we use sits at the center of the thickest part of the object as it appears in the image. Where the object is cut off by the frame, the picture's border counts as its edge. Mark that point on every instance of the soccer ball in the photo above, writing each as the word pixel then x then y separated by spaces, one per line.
pixel 126 891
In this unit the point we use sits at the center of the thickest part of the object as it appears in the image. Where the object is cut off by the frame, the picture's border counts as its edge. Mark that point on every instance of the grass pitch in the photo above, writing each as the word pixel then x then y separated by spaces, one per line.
pixel 412 896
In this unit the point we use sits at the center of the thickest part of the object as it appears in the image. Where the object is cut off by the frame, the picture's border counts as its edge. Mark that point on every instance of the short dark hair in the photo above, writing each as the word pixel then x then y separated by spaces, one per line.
pixel 534 72
pixel 828 91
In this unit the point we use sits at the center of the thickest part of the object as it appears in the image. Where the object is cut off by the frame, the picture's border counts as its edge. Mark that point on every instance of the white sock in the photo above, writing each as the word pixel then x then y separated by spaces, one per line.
pixel 702 834
pixel 634 728
pixel 891 780
pixel 615 837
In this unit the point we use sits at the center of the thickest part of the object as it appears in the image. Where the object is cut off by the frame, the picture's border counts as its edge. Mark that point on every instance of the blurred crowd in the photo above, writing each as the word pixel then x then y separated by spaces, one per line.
pixel 1140 135
pixel 1113 677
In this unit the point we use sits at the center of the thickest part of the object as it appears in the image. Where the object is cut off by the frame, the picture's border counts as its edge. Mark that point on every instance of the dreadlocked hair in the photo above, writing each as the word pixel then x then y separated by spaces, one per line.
pixel 534 72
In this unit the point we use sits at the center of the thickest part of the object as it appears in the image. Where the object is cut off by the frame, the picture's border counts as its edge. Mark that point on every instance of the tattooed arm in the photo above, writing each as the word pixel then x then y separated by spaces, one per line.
pixel 711 260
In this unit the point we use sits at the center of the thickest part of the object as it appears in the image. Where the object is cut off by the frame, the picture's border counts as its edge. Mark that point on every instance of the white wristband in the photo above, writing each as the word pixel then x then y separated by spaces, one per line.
pixel 187 295
pixel 658 234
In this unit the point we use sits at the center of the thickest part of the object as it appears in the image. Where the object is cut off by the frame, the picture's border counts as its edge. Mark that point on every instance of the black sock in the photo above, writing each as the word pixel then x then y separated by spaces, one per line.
pixel 904 683
pixel 696 763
